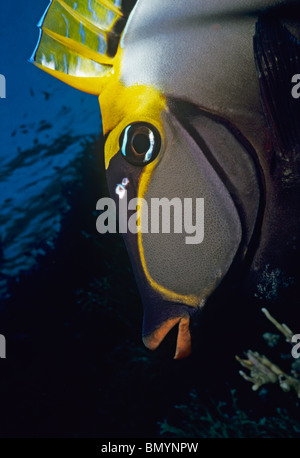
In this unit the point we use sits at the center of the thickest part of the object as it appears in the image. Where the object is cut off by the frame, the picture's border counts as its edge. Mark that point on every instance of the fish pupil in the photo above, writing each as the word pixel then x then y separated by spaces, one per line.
pixel 141 143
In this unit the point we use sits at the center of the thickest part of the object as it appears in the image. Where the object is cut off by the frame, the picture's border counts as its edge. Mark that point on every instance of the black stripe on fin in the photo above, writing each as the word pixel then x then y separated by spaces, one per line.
pixel 277 59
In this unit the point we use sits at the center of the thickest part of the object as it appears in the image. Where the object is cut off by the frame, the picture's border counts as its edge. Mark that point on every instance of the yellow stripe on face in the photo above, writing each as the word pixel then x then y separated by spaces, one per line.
pixel 120 107
pixel 191 300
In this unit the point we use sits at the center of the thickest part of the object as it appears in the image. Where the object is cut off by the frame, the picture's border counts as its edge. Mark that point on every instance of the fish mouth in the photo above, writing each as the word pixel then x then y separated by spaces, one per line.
pixel 184 342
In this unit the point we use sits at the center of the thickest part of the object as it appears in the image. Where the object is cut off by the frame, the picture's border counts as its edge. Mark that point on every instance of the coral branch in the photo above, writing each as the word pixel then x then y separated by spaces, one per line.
pixel 263 371
pixel 283 328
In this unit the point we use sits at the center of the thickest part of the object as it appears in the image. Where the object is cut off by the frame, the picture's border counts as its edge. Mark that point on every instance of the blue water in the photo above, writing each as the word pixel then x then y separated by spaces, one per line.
pixel 45 127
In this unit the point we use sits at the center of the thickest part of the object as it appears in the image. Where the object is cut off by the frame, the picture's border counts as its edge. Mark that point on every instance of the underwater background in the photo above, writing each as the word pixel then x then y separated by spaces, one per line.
pixel 70 309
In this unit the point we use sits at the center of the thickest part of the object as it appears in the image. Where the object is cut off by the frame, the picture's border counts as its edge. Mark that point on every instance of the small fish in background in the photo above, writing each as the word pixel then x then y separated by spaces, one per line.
pixel 196 102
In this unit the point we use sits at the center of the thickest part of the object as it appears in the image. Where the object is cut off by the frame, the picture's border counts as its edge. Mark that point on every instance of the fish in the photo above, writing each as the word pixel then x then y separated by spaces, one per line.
pixel 195 99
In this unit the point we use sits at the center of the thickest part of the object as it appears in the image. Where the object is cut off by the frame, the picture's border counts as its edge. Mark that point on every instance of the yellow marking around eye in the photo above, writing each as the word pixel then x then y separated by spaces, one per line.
pixel 121 105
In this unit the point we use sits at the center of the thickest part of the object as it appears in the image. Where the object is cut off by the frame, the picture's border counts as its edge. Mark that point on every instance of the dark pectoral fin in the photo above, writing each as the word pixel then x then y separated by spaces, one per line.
pixel 277 58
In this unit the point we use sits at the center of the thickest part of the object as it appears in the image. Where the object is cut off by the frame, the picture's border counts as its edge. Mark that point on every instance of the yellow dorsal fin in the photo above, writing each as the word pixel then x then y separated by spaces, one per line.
pixel 78 41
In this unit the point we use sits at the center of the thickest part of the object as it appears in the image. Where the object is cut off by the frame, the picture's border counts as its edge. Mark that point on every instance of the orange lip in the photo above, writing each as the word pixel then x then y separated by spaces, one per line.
pixel 183 346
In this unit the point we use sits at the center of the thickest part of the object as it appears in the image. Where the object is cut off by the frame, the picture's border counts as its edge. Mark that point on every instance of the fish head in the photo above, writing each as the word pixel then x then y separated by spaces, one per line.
pixel 180 163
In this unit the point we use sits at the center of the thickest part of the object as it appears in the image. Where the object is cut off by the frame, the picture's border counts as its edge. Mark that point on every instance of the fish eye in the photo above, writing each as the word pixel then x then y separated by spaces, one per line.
pixel 140 143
